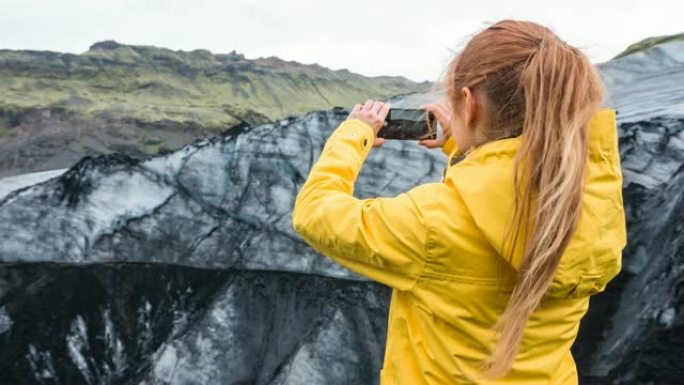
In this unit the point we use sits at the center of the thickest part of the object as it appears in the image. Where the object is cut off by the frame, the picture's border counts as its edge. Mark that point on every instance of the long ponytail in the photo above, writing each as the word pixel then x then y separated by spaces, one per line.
pixel 545 90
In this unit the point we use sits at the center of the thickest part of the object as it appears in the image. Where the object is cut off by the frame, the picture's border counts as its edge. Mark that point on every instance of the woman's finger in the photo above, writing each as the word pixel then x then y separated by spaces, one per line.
pixel 383 110
pixel 428 107
pixel 442 117
pixel 432 143
pixel 439 110
pixel 368 105
pixel 375 108
pixel 444 109
pixel 434 108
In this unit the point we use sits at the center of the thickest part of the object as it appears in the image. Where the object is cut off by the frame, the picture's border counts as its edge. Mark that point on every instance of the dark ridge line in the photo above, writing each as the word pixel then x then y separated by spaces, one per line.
pixel 86 265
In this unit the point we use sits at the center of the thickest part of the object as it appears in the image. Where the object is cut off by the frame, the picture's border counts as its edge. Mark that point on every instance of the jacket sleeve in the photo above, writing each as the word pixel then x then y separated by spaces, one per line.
pixel 451 150
pixel 449 145
pixel 384 239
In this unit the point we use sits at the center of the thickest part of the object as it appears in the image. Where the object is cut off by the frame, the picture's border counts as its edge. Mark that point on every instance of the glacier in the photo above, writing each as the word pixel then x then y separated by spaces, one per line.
pixel 183 268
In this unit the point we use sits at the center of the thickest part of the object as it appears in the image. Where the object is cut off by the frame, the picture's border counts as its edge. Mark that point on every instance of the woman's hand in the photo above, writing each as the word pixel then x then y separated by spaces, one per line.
pixel 373 113
pixel 443 115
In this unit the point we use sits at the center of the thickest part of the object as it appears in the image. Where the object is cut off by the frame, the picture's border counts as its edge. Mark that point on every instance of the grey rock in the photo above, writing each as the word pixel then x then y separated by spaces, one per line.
pixel 273 311
pixel 634 331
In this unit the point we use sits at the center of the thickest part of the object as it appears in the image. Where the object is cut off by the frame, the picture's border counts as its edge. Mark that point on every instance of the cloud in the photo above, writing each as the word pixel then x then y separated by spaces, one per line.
pixel 413 39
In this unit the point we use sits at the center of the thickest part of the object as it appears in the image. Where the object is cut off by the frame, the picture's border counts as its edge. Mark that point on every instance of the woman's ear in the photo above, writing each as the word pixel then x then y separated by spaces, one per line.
pixel 471 108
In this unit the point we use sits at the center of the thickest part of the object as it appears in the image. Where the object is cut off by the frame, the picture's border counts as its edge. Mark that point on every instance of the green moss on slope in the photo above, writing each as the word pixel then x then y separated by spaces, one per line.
pixel 648 43
pixel 151 85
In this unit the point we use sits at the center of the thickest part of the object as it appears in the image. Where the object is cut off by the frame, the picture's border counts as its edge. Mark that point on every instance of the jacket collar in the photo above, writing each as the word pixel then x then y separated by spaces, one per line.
pixel 602 141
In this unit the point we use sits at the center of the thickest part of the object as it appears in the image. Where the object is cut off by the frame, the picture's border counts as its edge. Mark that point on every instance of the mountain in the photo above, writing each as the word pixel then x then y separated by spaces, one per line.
pixel 649 42
pixel 57 107
pixel 183 268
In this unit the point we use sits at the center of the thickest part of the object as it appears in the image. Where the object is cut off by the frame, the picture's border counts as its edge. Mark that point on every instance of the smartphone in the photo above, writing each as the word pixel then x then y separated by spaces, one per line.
pixel 409 124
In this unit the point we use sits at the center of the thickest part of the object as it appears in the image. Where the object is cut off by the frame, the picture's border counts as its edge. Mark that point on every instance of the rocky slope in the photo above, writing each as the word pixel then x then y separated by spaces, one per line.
pixel 649 42
pixel 634 331
pixel 56 108
pixel 183 268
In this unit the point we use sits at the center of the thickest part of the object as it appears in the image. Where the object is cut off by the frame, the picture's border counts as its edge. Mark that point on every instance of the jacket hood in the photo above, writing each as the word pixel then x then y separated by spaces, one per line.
pixel 594 254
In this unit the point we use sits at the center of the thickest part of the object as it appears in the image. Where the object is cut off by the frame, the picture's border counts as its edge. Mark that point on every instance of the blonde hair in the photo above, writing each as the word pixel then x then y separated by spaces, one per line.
pixel 545 90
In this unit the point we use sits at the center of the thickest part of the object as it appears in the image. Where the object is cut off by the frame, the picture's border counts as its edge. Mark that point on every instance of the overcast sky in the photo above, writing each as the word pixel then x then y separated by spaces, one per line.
pixel 410 38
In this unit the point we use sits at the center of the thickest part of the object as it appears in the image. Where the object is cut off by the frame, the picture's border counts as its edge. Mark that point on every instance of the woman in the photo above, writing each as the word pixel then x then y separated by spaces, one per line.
pixel 493 267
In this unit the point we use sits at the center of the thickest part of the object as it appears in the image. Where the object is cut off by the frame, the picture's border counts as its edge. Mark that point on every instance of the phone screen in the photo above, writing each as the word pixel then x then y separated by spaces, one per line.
pixel 408 124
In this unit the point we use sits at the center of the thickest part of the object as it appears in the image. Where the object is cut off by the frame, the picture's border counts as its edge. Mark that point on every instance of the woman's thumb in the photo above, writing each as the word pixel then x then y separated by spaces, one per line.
pixel 429 143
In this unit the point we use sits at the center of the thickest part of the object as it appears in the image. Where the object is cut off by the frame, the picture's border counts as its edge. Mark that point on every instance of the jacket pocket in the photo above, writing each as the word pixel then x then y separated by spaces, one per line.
pixel 588 284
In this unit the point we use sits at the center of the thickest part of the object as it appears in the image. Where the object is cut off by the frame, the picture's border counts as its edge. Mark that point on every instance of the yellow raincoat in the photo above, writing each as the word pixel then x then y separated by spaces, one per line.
pixel 438 246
